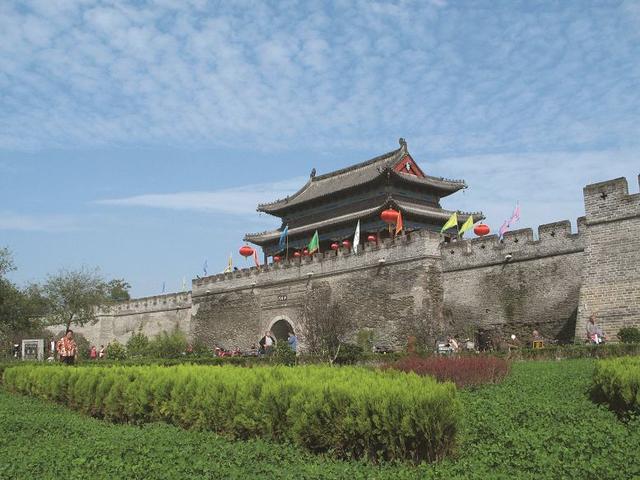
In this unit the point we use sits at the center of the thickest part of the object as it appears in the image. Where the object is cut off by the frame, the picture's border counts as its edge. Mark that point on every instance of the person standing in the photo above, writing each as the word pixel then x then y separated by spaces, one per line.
pixel 101 352
pixel 293 341
pixel 93 353
pixel 67 348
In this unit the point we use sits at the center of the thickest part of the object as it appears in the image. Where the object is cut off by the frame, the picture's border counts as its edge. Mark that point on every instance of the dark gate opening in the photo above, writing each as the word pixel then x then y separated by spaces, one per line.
pixel 281 329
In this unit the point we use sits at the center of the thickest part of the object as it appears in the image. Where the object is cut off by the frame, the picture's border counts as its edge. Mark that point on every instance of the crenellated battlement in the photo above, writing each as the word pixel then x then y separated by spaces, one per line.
pixel 418 244
pixel 156 303
pixel 610 201
pixel 518 245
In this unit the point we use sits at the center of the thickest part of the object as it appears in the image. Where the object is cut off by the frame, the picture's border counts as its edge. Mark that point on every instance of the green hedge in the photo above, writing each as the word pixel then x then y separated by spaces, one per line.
pixel 565 352
pixel 348 411
pixel 617 383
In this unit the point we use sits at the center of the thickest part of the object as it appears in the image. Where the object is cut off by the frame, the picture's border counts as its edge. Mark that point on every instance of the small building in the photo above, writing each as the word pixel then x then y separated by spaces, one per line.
pixel 333 203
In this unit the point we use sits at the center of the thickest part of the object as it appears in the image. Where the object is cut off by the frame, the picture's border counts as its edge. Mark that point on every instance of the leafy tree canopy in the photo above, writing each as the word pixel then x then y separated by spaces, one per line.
pixel 74 296
pixel 118 290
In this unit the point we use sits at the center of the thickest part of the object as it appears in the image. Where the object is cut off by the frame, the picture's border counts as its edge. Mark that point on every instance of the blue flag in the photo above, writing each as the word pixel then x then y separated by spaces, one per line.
pixel 283 237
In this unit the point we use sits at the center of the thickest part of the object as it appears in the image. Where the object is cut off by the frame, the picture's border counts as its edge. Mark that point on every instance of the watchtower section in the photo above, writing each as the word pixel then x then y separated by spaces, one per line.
pixel 611 274
pixel 333 203
pixel 515 285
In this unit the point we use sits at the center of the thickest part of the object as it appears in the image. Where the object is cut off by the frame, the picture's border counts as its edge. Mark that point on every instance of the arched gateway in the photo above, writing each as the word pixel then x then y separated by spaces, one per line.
pixel 280 327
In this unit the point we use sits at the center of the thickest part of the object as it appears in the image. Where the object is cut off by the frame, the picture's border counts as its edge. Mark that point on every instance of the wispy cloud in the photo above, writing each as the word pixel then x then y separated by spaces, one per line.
pixel 37 223
pixel 239 200
pixel 457 76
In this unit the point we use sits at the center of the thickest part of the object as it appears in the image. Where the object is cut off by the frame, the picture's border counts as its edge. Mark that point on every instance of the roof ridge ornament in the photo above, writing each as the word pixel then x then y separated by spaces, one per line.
pixel 403 143
pixel 313 173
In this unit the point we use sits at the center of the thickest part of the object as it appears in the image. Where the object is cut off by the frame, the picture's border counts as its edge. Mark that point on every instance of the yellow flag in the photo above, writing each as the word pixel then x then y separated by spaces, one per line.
pixel 452 222
pixel 229 268
pixel 466 225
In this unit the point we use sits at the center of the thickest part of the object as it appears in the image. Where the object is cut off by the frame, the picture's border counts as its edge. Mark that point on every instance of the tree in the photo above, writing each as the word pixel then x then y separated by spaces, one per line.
pixel 74 296
pixel 325 324
pixel 6 261
pixel 118 290
pixel 21 310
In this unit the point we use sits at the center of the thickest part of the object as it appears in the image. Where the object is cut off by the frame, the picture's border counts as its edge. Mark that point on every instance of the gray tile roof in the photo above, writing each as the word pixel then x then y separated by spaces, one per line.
pixel 359 174
pixel 437 214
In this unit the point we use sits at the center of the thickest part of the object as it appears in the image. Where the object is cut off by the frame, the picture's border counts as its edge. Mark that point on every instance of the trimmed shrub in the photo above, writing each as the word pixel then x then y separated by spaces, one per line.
pixel 138 345
pixel 348 411
pixel 629 335
pixel 463 371
pixel 283 355
pixel 168 345
pixel 116 351
pixel 617 383
pixel 349 354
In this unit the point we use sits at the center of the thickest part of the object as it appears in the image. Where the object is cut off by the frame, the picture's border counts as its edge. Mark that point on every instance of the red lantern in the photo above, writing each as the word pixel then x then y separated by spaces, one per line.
pixel 335 246
pixel 246 251
pixel 481 229
pixel 297 254
pixel 305 252
pixel 372 239
pixel 276 258
pixel 389 215
pixel 346 244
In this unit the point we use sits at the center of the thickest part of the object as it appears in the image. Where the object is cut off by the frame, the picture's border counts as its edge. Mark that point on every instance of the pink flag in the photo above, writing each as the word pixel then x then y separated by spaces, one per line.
pixel 255 257
pixel 516 214
pixel 503 229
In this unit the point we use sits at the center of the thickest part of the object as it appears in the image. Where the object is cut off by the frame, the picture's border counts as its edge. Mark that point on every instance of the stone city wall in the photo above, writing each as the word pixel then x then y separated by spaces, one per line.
pixel 611 275
pixel 414 284
pixel 386 288
pixel 152 315
pixel 517 285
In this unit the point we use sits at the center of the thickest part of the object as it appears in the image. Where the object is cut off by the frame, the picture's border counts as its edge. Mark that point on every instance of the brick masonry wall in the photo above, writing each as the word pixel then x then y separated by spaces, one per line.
pixel 392 289
pixel 151 314
pixel 416 285
pixel 611 276
pixel 537 288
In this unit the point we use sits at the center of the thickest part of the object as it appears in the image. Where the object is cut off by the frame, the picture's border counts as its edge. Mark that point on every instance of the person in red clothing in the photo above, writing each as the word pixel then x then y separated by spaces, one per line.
pixel 67 348
pixel 93 353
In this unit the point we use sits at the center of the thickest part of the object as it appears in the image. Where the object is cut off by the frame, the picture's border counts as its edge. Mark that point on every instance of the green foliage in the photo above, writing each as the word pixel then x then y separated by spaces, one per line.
pixel 168 345
pixel 116 351
pixel 629 335
pixel 349 354
pixel 538 424
pixel 617 383
pixel 73 296
pixel 365 339
pixel 6 261
pixel 118 290
pixel 351 412
pixel 138 345
pixel 558 352
pixel 283 355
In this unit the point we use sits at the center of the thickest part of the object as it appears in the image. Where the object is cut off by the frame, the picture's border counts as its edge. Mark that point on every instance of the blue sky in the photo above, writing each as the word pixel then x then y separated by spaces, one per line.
pixel 139 136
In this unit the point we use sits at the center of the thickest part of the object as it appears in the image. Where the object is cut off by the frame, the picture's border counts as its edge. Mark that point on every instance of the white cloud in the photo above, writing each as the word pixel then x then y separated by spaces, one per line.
pixel 456 77
pixel 241 200
pixel 37 223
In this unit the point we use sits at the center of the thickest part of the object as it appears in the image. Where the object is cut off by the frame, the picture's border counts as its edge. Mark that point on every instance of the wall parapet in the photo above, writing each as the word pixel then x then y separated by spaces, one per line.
pixel 155 303
pixel 414 245
pixel 610 201
pixel 518 245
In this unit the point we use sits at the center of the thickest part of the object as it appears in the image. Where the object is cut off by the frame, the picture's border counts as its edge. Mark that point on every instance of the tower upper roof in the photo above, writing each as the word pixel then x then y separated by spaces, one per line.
pixel 361 173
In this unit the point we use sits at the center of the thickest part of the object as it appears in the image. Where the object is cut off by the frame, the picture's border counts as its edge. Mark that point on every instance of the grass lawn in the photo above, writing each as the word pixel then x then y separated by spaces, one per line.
pixel 538 424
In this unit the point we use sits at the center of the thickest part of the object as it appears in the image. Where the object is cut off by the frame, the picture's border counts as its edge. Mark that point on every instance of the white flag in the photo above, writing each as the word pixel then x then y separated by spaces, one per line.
pixel 356 238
